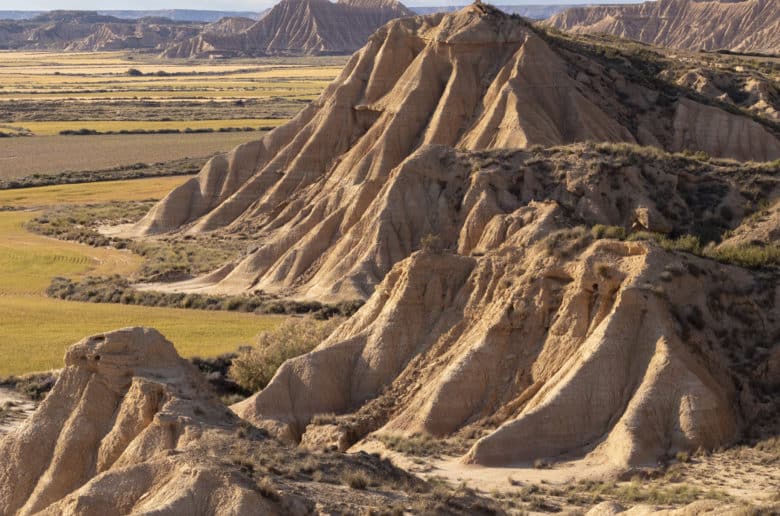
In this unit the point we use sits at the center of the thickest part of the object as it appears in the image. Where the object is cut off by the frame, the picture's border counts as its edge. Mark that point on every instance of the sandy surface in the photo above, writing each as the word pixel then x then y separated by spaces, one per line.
pixel 14 410
pixel 489 479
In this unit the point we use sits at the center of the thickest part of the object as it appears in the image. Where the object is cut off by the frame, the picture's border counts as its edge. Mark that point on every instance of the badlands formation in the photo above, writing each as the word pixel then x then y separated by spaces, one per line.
pixel 740 26
pixel 296 27
pixel 448 177
pixel 132 428
pixel 85 31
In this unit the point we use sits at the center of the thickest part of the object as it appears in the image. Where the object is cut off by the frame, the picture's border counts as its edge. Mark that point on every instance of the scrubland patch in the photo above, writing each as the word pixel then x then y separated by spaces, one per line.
pixel 255 365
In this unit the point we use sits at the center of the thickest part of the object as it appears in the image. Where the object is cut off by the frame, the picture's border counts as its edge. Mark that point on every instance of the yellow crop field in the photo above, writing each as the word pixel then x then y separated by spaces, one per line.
pixel 28 261
pixel 35 330
pixel 292 92
pixel 106 191
pixel 49 128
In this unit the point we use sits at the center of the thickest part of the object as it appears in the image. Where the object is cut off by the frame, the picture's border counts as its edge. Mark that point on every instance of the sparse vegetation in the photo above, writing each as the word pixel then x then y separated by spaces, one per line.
pixel 432 244
pixel 28 262
pixel 419 445
pixel 177 167
pixel 254 366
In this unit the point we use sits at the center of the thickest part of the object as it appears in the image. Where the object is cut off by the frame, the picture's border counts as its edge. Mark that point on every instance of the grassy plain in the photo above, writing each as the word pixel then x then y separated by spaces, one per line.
pixel 85 78
pixel 35 330
pixel 106 191
pixel 42 94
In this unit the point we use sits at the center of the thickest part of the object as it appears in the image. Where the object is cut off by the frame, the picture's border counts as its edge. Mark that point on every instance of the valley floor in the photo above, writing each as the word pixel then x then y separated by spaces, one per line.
pixel 35 329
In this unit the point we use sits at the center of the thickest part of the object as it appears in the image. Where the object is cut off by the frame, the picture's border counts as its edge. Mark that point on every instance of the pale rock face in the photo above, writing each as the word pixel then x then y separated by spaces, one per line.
pixel 103 440
pixel 743 26
pixel 348 188
pixel 521 331
pixel 525 338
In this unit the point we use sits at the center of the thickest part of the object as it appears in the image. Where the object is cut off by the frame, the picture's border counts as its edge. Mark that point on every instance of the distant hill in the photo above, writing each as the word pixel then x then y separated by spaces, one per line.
pixel 92 31
pixel 172 14
pixel 296 27
pixel 535 12
pixel 742 26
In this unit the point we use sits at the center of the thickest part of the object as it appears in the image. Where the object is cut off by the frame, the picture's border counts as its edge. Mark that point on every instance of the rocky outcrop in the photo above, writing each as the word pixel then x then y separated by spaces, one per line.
pixel 132 428
pixel 298 27
pixel 510 332
pixel 742 26
pixel 344 191
pixel 99 439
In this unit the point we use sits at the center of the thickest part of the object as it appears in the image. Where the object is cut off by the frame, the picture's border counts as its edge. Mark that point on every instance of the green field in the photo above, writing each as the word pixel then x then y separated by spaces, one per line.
pixel 35 330
pixel 43 94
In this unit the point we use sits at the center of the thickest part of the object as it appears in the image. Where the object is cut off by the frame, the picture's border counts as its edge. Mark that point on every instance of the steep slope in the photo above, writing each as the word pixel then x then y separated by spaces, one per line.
pixel 320 194
pixel 298 27
pixel 508 334
pixel 131 428
pixel 742 26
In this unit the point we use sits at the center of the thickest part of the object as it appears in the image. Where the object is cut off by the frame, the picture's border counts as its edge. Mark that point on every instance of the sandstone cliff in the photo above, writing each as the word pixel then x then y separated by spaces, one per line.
pixel 296 27
pixel 742 26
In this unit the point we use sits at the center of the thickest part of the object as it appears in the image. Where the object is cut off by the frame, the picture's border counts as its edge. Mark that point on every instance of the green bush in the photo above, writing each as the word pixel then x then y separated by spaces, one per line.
pixel 746 255
pixel 601 231
pixel 254 367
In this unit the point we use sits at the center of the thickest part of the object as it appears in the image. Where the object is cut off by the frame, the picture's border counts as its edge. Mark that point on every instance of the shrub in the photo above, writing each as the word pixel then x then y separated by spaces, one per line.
pixel 746 255
pixel 601 231
pixel 683 456
pixel 565 243
pixel 431 244
pixel 356 479
pixel 254 367
pixel 419 445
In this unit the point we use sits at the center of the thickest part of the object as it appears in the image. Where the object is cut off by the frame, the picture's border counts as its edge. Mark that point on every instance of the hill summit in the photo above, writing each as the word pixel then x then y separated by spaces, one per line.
pixel 317 188
pixel 298 27
pixel 447 176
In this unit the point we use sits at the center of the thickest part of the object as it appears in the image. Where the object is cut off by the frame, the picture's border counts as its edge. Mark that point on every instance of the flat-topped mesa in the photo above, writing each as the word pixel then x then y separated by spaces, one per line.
pixel 322 192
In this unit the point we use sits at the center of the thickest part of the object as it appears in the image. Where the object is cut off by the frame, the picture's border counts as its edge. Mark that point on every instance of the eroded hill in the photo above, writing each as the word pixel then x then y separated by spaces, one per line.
pixel 130 427
pixel 86 31
pixel 321 191
pixel 530 295
pixel 297 27
pixel 742 26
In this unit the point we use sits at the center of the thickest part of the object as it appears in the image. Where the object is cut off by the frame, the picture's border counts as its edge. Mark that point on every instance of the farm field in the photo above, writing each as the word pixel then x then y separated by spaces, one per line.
pixel 51 128
pixel 43 86
pixel 35 330
pixel 45 94
pixel 21 157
